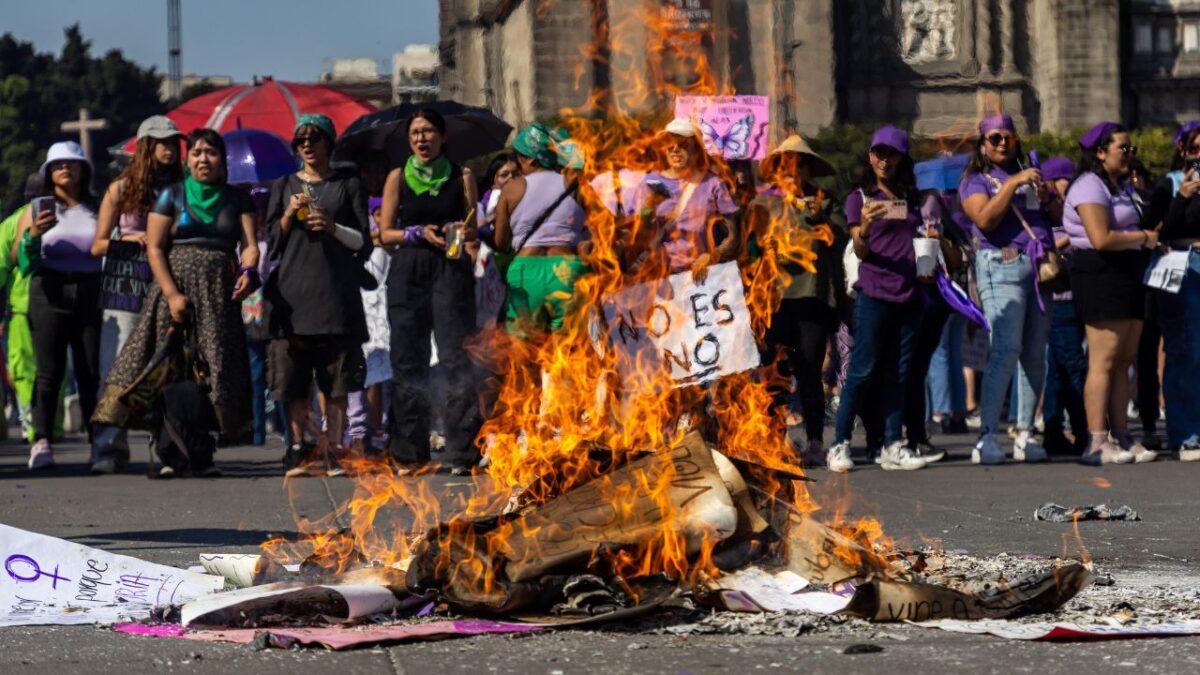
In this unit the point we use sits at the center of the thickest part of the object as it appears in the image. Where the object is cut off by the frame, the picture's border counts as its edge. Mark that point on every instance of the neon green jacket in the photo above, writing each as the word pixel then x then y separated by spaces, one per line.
pixel 17 281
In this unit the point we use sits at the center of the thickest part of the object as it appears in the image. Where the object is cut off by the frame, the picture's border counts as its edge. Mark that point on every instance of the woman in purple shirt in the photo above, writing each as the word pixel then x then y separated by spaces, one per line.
pixel 1104 223
pixel 1004 202
pixel 884 217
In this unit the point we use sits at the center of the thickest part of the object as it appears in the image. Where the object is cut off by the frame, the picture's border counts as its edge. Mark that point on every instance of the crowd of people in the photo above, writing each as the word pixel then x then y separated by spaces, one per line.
pixel 321 303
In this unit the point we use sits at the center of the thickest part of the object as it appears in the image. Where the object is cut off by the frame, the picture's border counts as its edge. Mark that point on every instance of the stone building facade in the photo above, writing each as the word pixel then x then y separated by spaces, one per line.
pixel 937 64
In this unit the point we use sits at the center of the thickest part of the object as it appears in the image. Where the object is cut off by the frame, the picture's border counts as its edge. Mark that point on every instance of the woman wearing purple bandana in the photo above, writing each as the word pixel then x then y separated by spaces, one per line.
pixel 1103 220
pixel 1002 200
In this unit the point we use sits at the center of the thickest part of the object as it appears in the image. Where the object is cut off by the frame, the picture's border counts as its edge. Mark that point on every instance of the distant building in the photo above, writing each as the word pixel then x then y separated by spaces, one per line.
pixel 359 77
pixel 935 64
pixel 217 81
pixel 415 74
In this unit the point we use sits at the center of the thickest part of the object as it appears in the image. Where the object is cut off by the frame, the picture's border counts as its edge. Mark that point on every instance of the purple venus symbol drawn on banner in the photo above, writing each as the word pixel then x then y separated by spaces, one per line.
pixel 34 568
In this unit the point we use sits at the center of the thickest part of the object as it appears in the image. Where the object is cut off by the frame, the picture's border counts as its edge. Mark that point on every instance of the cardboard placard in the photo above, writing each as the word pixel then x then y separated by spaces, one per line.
pixel 127 277
pixel 696 332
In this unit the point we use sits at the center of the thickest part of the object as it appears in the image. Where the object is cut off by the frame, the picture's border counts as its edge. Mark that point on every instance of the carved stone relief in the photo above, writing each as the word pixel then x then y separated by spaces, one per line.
pixel 928 30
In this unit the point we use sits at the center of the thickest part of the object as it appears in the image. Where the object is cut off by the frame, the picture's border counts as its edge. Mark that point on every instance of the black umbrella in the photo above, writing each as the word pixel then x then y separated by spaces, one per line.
pixel 470 132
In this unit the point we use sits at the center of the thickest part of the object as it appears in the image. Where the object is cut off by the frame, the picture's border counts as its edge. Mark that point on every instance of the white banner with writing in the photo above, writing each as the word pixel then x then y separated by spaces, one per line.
pixel 695 332
pixel 46 580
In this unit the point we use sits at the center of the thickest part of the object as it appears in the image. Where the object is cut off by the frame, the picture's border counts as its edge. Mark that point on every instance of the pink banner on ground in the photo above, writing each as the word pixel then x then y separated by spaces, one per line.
pixel 332 637
pixel 734 127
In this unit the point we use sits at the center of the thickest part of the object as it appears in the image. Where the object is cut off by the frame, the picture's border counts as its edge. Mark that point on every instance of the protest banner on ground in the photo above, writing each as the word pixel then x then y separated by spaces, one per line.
pixel 696 331
pixel 47 580
pixel 734 127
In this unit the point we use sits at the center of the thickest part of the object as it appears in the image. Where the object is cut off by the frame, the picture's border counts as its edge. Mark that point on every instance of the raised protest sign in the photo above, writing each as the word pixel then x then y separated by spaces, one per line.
pixel 695 332
pixel 46 580
pixel 734 127
pixel 127 277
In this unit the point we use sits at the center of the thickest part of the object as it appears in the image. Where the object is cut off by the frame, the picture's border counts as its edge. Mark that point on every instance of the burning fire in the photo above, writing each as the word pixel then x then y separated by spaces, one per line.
pixel 564 418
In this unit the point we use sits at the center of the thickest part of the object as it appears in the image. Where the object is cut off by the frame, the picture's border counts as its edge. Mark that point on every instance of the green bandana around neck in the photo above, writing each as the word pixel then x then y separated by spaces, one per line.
pixel 203 200
pixel 425 177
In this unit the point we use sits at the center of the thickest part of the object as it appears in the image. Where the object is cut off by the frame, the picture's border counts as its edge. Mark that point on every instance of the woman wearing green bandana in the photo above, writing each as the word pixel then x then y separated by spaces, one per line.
pixel 430 293
pixel 192 237
pixel 539 218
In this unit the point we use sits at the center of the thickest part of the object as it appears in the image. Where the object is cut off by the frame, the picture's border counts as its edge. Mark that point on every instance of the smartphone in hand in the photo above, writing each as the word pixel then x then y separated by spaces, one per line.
pixel 39 204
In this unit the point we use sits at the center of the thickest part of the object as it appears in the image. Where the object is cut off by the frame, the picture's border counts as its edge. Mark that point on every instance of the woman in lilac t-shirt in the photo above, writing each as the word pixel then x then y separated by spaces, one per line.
pixel 1001 199
pixel 884 218
pixel 1104 224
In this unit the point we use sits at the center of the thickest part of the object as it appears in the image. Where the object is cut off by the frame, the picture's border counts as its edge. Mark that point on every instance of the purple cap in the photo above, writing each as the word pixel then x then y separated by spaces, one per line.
pixel 1187 128
pixel 1058 167
pixel 1091 139
pixel 896 139
pixel 996 122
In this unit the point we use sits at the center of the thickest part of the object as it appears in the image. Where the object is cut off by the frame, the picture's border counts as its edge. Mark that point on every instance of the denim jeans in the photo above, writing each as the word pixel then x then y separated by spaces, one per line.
pixel 258 395
pixel 945 384
pixel 1019 332
pixel 1179 318
pixel 1066 371
pixel 885 335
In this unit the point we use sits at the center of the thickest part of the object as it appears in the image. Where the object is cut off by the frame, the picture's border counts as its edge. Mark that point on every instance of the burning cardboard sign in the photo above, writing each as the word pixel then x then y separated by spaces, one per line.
pixel 696 332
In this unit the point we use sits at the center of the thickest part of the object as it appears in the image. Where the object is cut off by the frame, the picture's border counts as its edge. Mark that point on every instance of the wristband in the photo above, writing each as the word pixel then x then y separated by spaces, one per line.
pixel 251 271
pixel 414 234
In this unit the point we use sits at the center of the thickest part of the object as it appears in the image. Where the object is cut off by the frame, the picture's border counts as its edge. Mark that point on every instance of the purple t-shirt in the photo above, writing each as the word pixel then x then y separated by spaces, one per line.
pixel 1010 232
pixel 890 269
pixel 689 238
pixel 1124 215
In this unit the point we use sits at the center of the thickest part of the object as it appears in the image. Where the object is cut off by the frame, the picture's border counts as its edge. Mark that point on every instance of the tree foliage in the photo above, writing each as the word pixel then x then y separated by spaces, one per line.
pixel 39 91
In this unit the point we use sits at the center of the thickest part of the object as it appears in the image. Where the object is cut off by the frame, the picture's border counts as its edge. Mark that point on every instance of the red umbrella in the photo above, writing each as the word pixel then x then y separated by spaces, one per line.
pixel 267 104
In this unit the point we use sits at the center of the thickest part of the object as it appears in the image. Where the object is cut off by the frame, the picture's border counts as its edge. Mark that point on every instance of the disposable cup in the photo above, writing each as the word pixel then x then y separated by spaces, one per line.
pixel 926 249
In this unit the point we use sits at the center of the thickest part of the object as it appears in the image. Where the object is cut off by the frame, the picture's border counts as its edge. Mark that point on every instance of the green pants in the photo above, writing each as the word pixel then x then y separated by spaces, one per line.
pixel 23 370
pixel 540 290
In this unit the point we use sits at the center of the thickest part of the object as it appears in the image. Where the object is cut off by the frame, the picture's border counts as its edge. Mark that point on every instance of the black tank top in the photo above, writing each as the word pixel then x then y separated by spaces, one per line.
pixel 448 206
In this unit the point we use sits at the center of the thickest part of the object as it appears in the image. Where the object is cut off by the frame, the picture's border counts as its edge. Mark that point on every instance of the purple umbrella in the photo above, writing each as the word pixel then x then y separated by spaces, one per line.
pixel 257 156
pixel 959 301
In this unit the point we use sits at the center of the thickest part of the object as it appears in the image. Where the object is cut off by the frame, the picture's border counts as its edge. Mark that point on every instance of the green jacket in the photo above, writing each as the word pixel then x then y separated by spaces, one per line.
pixel 10 276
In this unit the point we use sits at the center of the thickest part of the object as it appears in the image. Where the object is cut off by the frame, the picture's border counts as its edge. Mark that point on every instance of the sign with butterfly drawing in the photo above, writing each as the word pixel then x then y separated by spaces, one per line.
pixel 734 127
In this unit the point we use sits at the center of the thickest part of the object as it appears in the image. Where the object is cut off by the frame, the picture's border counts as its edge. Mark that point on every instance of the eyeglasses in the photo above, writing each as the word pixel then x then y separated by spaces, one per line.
pixel 1128 149
pixel 309 138
pixel 998 138
pixel 418 133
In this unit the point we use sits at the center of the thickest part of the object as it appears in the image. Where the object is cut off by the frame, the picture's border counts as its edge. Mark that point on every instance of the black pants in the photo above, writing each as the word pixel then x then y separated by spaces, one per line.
pixel 64 311
pixel 937 312
pixel 429 294
pixel 1148 386
pixel 802 327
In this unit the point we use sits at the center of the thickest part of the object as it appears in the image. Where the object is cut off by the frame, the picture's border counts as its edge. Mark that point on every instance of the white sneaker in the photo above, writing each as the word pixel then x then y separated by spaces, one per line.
pixel 838 458
pixel 987 451
pixel 1026 449
pixel 1190 450
pixel 974 422
pixel 898 457
pixel 41 455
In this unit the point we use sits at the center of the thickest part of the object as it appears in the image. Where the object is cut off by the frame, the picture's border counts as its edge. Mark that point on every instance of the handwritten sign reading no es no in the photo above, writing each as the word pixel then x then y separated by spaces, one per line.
pixel 695 332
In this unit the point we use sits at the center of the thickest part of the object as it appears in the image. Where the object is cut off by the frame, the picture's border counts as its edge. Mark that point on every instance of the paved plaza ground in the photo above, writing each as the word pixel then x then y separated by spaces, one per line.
pixel 984 511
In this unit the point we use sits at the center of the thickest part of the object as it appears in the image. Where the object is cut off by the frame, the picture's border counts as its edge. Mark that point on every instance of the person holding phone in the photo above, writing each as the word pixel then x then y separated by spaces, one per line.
pixel 193 236
pixel 123 215
pixel 1111 250
pixel 430 294
pixel 1004 202
pixel 685 209
pixel 884 217
pixel 53 245
pixel 318 230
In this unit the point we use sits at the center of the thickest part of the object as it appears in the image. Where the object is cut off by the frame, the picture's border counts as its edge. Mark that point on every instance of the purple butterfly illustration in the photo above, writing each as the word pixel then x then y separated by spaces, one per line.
pixel 734 143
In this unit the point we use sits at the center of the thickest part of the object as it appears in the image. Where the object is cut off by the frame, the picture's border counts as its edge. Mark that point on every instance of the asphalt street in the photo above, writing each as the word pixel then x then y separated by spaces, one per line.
pixel 984 511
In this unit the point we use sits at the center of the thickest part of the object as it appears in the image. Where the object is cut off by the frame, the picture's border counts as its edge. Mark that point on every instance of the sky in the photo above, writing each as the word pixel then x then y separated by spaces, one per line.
pixel 290 40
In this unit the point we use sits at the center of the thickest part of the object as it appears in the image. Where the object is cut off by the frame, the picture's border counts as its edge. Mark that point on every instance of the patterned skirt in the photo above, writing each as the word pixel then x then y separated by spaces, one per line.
pixel 206 276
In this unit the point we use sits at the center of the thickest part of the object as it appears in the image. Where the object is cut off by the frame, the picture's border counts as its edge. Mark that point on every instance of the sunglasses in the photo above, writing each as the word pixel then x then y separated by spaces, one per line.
pixel 998 138
pixel 60 166
pixel 307 138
